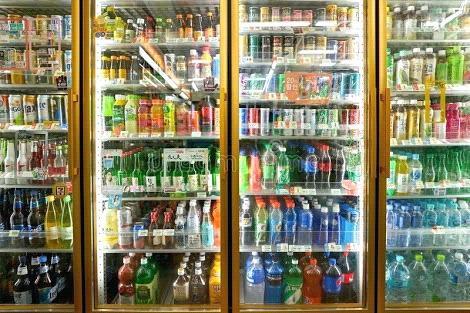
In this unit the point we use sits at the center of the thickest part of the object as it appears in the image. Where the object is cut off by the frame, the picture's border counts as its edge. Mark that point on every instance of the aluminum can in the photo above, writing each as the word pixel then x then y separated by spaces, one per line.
pixel 256 83
pixel 278 122
pixel 321 43
pixel 272 84
pixel 67 27
pixel 277 46
pixel 170 64
pixel 59 110
pixel 30 110
pixel 353 48
pixel 289 47
pixel 299 118
pixel 307 15
pixel 266 48
pixel 254 46
pixel 320 14
pixel 243 46
pixel 265 16
pixel 264 125
pixel 332 45
pixel 4 109
pixel 310 121
pixel 354 120
pixel 242 13
pixel 354 84
pixel 244 130
pixel 286 14
pixel 275 14
pixel 322 122
pixel 56 25
pixel 297 15
pixel 244 84
pixel 253 14
pixel 343 122
pixel 344 85
pixel 281 83
pixel 43 104
pixel 309 42
pixel 42 26
pixel 139 241
pixel 336 86
pixel 253 121
pixel 125 228
pixel 331 12
pixel 299 44
pixel 342 18
pixel 288 118
pixel 68 65
pixel 353 16
pixel 342 50
pixel 15 104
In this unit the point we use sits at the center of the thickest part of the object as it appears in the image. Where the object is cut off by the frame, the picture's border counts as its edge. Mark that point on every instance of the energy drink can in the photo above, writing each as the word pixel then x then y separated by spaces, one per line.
pixel 322 122
pixel 297 15
pixel 320 14
pixel 336 86
pixel 344 85
pixel 43 103
pixel 299 120
pixel 286 13
pixel 342 53
pixel 253 14
pixel 310 122
pixel 266 48
pixel 244 84
pixel 352 48
pixel 354 84
pixel 309 42
pixel 264 14
pixel 42 26
pixel 277 46
pixel 342 18
pixel 331 12
pixel 289 47
pixel 56 25
pixel 58 110
pixel 307 15
pixel 244 130
pixel 278 122
pixel 253 121
pixel 3 109
pixel 332 47
pixel 343 122
pixel 321 43
pixel 281 83
pixel 68 66
pixel 15 103
pixel 67 27
pixel 275 14
pixel 264 126
pixel 289 124
pixel 254 46
pixel 30 110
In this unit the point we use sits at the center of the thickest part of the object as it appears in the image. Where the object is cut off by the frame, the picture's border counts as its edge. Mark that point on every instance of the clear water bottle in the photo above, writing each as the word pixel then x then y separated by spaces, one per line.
pixel 391 226
pixel 419 281
pixel 399 280
pixel 429 221
pixel 458 279
pixel 416 236
pixel 440 280
pixel 254 282
pixel 455 222
pixel 441 221
pixel 404 225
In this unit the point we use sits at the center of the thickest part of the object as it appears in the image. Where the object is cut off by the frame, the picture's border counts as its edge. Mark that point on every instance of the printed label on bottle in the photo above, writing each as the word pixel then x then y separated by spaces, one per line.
pixel 246 222
pixel 144 294
pixel 332 284
pixel 66 233
pixel 347 278
pixel 135 184
pixel 178 182
pixel 151 183
pixel 181 293
pixel 292 293
pixel 193 182
pixel 126 299
pixel 53 294
pixel 52 233
pixel 44 295
pixel 157 237
pixel 61 283
pixel 402 183
pixel 23 297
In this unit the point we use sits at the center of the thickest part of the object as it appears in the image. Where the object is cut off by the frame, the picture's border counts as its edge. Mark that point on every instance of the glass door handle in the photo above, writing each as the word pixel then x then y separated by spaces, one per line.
pixel 384 168
pixel 72 101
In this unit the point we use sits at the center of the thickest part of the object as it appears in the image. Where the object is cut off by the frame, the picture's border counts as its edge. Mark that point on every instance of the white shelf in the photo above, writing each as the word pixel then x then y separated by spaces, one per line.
pixel 304 137
pixel 192 138
pixel 462 90
pixel 402 43
pixel 160 251
pixel 433 143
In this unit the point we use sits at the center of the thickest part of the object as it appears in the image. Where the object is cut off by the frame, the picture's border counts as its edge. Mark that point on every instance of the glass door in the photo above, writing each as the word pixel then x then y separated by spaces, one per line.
pixel 39 114
pixel 426 161
pixel 158 129
pixel 302 180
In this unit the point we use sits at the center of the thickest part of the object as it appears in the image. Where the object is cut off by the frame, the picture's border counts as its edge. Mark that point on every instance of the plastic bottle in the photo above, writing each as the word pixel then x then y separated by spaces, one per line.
pixel 290 224
pixel 255 171
pixel 419 280
pixel 144 284
pixel 455 222
pixel 440 281
pixel 273 286
pixel 304 233
pixel 397 24
pixel 459 278
pixel 275 224
pixel 334 225
pixel 215 282
pixel 416 236
pixel 310 168
pixel 246 225
pixel 455 60
pixel 324 168
pixel 466 70
pixel 282 170
pixel 429 70
pixel 181 288
pixel 331 284
pixel 193 227
pixel 416 67
pixel 254 281
pixel 442 220
pixel 441 67
pixel 399 280
pixel 126 287
pixel 404 227
pixel 180 234
pixel 311 287
pixel 268 164
pixel 409 28
pixel 391 222
pixel 465 214
pixel 292 293
pixel 261 223
pixel 43 282
pixel 207 228
pixel 51 225
pixel 244 176
pixel 348 293
pixel 402 76
pixel 198 288
pixel 402 175
pixel 416 175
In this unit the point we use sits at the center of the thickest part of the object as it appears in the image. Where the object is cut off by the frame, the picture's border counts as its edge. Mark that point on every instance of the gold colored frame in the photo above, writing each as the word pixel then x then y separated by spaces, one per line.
pixel 384 169
pixel 74 136
pixel 370 162
pixel 90 233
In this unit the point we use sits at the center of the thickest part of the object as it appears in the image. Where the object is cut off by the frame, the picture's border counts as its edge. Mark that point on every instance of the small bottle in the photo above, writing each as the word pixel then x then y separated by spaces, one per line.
pixel 181 288
pixel 198 32
pixel 130 32
pixel 188 30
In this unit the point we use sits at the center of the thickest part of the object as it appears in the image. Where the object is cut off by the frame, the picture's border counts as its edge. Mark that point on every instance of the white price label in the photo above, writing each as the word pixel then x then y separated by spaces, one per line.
pixel 309 192
pixel 157 232
pixel 13 233
pixel 430 184
pixel 196 134
pixel 307 248
pixel 282 192
pixel 142 232
pixel 335 191
pixel 282 247
pixel 201 195
pixel 333 247
pixel 266 248
pixel 353 246
pixel 438 230
pixel 296 248
pixel 168 232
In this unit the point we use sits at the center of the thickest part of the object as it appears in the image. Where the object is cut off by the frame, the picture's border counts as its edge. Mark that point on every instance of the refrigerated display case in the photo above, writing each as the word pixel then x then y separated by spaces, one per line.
pixel 40 255
pixel 303 132
pixel 424 163
pixel 156 178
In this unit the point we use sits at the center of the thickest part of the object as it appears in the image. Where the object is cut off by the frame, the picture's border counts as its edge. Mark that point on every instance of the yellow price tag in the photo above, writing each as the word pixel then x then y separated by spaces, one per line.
pixel 442 93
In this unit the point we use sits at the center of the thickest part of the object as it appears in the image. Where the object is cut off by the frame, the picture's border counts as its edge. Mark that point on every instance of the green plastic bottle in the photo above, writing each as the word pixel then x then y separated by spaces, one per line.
pixel 455 60
pixel 156 274
pixel 292 291
pixel 282 170
pixel 441 67
pixel 392 179
pixel 144 284
pixel 244 179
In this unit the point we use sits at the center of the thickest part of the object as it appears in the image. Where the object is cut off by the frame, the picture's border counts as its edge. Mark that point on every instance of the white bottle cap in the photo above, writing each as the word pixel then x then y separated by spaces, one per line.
pixel 126 260
pixel 336 207
pixel 411 8
pixel 397 10
pixel 254 253
pixel 183 265
pixel 148 254
pixel 416 50
pixel 181 271
pixel 198 271
pixel 305 206
pixel 324 209
pixel 295 261
pixel 197 264
pixel 459 256
pixel 143 261
pixel 429 50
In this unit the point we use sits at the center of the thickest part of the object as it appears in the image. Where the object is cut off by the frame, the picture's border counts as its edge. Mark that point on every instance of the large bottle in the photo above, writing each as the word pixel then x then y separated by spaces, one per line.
pixel 254 281
pixel 43 282
pixel 440 280
pixel 348 293
pixel 419 280
pixel 312 278
pixel 310 168
pixel 290 224
pixel 292 293
pixel 181 288
pixel 332 283
pixel 273 286
pixel 23 289
pixel 268 164
pixel 458 279
pixel 198 287
pixel 304 232
pixel 399 280
pixel 144 284
pixel 324 168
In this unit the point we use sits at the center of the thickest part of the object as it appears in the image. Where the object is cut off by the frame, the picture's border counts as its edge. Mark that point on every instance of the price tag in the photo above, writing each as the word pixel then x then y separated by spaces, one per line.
pixel 266 248
pixel 195 134
pixel 309 192
pixel 307 248
pixel 201 195
pixel 296 248
pixel 429 185
pixel 168 232
pixel 158 232
pixel 405 142
pixel 333 247
pixel 13 233
pixel 142 232
pixel 39 173
pixel 438 230
pixel 282 247
pixel 393 141
pixel 417 141
pixel 169 134
pixel 352 246
pixel 124 134
pixel 282 192
pixel 272 96
pixel 335 191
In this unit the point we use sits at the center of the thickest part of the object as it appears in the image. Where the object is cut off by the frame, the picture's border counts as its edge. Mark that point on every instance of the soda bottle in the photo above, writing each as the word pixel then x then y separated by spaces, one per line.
pixel 399 279
pixel 312 279
pixel 66 224
pixel 198 288
pixel 338 168
pixel 261 223
pixel 282 170
pixel 419 291
pixel 144 285
pixel 402 175
pixel 255 171
pixel 324 167
pixel 440 280
pixel 310 168
pixel 273 286
pixel 43 282
pixel 334 225
pixel 322 232
pixel 23 289
pixel 348 292
pixel 305 260
pixel 290 224
pixel 275 224
pixel 268 164
pixel 416 175
pixel 246 225
pixel 304 233
pixel 181 288
pixel 244 177
pixel 168 231
pixel 255 281
pixel 292 293
pixel 332 283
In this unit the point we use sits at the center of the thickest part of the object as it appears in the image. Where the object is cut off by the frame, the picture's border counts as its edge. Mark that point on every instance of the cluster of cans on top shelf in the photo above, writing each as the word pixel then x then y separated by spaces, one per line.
pixel 15 27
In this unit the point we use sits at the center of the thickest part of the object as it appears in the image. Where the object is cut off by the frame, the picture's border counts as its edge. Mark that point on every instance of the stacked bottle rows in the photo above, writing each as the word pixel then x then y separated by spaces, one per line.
pixel 141 170
pixel 434 276
pixel 135 116
pixel 443 169
pixel 291 220
pixel 37 222
pixel 408 121
pixel 427 223
pixel 163 225
pixel 32 278
pixel 32 161
pixel 39 27
pixel 311 279
pixel 311 166
pixel 142 279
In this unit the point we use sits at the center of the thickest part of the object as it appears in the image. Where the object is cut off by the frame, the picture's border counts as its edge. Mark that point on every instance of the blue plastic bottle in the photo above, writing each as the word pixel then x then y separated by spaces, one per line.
pixel 304 234
pixel 275 224
pixel 429 221
pixel 331 283
pixel 323 230
pixel 333 225
pixel 255 282
pixel 399 280
pixel 290 224
pixel 404 225
pixel 316 213
pixel 442 221
pixel 391 226
pixel 273 286
pixel 455 222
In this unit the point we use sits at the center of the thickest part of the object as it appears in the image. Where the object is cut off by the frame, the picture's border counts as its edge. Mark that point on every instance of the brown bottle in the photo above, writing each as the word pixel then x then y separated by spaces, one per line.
pixel 180 26
pixel 114 68
pixel 105 65
pixel 198 32
pixel 168 238
pixel 209 26
pixel 188 31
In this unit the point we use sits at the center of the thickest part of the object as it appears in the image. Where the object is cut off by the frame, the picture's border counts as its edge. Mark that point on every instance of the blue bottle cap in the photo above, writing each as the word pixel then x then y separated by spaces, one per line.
pixel 43 259
pixel 332 262
pixel 399 258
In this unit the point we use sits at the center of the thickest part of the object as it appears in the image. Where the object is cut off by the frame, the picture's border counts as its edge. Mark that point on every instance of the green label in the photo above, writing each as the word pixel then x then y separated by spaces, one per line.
pixel 292 292
pixel 268 172
pixel 144 293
